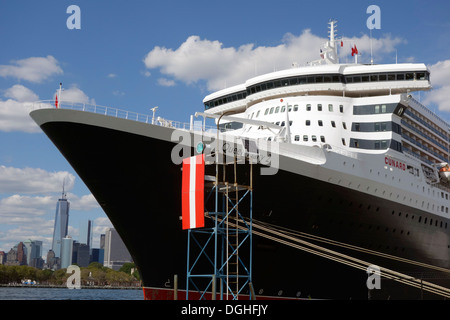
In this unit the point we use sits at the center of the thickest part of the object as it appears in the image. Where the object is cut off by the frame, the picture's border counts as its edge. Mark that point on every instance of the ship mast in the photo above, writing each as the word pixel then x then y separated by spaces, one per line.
pixel 331 56
pixel 328 52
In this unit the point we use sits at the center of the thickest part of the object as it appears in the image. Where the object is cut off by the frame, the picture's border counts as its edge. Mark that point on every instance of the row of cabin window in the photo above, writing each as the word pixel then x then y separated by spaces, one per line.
pixel 424 135
pixel 295 108
pixel 363 144
pixel 375 144
pixel 376 127
pixel 336 78
pixel 305 138
pixel 400 76
pixel 320 123
pixel 308 123
pixel 363 127
pixel 374 108
pixel 443 135
pixel 225 99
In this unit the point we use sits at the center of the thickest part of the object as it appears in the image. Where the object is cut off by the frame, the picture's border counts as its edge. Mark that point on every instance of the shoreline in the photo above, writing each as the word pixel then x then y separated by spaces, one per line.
pixel 18 285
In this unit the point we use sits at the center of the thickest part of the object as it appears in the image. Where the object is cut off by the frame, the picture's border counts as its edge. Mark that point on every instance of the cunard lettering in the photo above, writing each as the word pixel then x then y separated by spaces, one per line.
pixel 395 163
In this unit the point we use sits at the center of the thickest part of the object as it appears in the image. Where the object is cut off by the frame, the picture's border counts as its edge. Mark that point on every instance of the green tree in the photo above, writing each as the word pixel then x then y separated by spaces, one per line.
pixel 127 267
pixel 96 265
pixel 44 275
pixel 130 268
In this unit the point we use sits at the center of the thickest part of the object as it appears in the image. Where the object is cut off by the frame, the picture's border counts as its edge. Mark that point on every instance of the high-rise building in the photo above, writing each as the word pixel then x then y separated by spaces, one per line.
pixel 17 256
pixel 116 253
pixel 98 255
pixel 34 253
pixel 102 241
pixel 66 251
pixel 21 254
pixel 86 231
pixel 52 261
pixel 83 255
pixel 61 224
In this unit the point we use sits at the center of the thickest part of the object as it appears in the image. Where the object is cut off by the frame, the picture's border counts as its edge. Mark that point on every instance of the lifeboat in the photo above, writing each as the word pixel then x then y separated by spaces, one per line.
pixel 444 172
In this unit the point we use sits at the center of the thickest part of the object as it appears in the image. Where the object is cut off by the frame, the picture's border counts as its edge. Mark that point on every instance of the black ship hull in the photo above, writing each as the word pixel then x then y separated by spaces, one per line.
pixel 133 178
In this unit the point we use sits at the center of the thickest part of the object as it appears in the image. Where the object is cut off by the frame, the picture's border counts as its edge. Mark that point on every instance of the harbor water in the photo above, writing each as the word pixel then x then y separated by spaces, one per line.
pixel 30 293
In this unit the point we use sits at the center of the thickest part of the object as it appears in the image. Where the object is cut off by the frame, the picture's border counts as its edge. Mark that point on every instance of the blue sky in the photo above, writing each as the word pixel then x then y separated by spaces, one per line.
pixel 135 55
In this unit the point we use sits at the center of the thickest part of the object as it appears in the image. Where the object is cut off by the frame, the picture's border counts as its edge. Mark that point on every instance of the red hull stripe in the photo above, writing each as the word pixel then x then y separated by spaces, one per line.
pixel 168 294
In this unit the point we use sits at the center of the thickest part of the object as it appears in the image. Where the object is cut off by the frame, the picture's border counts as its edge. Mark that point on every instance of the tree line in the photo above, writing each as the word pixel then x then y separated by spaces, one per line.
pixel 93 275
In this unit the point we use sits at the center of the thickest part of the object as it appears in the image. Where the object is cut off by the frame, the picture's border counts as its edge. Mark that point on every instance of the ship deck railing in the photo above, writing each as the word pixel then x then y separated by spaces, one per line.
pixel 194 125
pixel 122 114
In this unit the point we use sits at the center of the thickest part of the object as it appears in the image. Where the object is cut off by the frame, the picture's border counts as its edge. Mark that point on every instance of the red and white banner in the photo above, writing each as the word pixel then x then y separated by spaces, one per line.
pixel 193 185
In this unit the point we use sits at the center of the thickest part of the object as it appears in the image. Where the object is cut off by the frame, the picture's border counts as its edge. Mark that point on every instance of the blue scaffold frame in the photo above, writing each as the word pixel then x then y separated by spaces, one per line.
pixel 222 251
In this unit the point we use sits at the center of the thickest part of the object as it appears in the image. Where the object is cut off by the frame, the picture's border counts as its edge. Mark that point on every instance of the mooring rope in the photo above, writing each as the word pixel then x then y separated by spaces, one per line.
pixel 272 233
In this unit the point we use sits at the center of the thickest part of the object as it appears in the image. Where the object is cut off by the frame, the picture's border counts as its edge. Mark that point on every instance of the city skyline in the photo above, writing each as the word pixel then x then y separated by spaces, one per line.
pixel 171 55
pixel 60 231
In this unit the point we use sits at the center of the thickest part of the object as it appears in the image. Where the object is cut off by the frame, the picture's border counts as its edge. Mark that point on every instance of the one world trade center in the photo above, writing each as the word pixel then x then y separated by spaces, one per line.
pixel 61 224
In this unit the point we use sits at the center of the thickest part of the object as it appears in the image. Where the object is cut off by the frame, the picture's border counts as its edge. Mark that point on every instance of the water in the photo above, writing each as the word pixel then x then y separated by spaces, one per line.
pixel 20 293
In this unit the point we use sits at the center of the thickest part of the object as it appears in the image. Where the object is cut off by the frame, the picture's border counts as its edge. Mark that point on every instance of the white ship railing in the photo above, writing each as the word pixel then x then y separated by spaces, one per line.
pixel 122 114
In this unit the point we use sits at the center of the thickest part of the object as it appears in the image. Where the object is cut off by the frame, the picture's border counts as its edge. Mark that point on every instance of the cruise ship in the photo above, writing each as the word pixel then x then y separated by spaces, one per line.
pixel 355 174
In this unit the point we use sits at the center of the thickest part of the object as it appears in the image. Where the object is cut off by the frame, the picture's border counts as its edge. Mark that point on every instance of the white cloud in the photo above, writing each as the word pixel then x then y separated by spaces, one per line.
pixel 74 94
pixel 14 116
pixel 33 69
pixel 35 228
pixel 439 95
pixel 14 112
pixel 18 209
pixel 40 229
pixel 112 75
pixel 21 94
pixel 380 47
pixel 85 203
pixel 101 224
pixel 32 180
pixel 166 82
pixel 118 93
pixel 204 60
pixel 31 217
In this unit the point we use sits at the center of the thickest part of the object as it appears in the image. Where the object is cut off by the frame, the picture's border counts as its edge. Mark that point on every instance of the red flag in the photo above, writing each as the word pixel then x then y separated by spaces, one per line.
pixel 56 101
pixel 342 43
pixel 354 50
pixel 192 194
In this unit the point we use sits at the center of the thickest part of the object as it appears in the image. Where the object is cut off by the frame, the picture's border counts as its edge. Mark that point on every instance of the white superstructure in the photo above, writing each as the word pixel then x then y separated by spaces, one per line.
pixel 377 138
